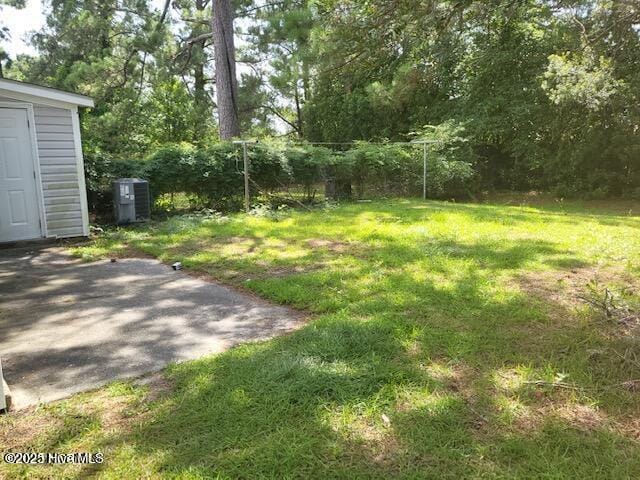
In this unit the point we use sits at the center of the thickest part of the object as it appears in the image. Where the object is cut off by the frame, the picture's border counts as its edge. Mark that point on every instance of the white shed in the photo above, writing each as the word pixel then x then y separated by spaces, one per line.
pixel 42 184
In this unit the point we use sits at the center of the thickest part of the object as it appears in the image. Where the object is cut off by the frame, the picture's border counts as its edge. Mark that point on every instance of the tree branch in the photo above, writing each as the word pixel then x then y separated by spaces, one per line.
pixel 280 116
pixel 198 38
pixel 165 10
pixel 259 7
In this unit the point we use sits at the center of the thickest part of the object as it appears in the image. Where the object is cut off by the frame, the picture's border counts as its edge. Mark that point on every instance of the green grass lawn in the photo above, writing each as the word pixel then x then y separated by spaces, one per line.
pixel 444 341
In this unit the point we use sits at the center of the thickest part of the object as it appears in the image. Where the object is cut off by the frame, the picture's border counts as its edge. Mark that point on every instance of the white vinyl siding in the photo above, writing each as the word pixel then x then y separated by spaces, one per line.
pixel 58 170
pixel 58 164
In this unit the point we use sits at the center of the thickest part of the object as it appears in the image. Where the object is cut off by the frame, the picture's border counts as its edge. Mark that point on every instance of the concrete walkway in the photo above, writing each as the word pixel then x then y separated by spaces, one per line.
pixel 67 326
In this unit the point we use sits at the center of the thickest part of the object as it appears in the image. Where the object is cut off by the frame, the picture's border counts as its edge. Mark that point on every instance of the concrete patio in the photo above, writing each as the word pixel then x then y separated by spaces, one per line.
pixel 68 326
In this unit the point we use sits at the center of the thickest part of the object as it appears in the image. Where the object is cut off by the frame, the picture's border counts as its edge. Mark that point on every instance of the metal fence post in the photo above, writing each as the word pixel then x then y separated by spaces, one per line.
pixel 247 198
pixel 424 171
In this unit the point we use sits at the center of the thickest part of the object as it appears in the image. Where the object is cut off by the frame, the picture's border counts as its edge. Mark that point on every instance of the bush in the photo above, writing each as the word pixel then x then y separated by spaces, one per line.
pixel 390 169
pixel 397 169
pixel 309 166
pixel 212 176
pixel 451 163
pixel 168 169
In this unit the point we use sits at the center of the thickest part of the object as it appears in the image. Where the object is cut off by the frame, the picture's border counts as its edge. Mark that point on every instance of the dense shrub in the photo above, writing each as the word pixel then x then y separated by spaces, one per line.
pixel 269 167
pixel 100 169
pixel 384 169
pixel 451 164
pixel 169 169
pixel 397 169
pixel 215 173
pixel 308 166
pixel 213 176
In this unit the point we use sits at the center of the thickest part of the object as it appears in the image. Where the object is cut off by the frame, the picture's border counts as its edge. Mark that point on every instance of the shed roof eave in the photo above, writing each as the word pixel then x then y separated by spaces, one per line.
pixel 23 89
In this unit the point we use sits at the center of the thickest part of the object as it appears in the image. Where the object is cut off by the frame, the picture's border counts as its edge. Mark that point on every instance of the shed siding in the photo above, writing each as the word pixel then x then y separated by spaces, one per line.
pixel 58 170
pixel 56 149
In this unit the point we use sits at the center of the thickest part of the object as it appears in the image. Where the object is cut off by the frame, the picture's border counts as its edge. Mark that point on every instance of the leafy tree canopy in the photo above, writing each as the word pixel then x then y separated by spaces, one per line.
pixel 545 92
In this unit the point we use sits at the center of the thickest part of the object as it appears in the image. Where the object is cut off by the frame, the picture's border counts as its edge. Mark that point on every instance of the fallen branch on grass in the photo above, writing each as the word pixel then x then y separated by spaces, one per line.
pixel 613 306
pixel 631 385
pixel 543 383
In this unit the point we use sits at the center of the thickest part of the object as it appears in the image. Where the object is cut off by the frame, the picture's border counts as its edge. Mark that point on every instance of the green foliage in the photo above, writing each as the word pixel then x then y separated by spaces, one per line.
pixel 390 169
pixel 5 34
pixel 385 169
pixel 451 161
pixel 279 37
pixel 213 175
pixel 100 170
pixel 595 130
pixel 309 165
pixel 548 95
pixel 125 55
pixel 169 168
pixel 207 173
pixel 585 81
pixel 171 115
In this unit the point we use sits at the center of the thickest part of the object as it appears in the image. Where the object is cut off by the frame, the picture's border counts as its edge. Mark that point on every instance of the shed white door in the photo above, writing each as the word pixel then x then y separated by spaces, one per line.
pixel 19 212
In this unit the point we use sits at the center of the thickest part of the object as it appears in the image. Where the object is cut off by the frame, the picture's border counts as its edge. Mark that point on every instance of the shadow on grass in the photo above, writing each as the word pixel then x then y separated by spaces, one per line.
pixel 311 405
pixel 314 403
pixel 396 378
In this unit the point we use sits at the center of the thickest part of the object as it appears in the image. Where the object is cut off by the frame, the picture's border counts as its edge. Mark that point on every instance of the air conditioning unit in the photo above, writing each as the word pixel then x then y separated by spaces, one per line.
pixel 132 200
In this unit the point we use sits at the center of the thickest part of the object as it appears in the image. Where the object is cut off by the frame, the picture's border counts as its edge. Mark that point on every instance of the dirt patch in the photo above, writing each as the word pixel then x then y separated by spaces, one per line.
pixel 114 413
pixel 460 380
pixel 23 428
pixel 582 417
pixel 375 441
pixel 530 409
pixel 233 239
pixel 251 243
pixel 629 427
pixel 566 286
pixel 246 244
pixel 121 412
pixel 130 252
pixel 188 247
pixel 386 451
pixel 28 427
pixel 331 245
pixel 286 271
pixel 158 386
pixel 582 287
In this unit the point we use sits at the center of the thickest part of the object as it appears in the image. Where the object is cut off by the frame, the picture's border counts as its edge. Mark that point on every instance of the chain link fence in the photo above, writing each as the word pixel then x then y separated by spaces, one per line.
pixel 369 177
pixel 227 176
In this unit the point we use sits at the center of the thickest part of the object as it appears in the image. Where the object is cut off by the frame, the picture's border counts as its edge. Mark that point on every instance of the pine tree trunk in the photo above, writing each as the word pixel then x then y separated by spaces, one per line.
pixel 199 82
pixel 225 62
